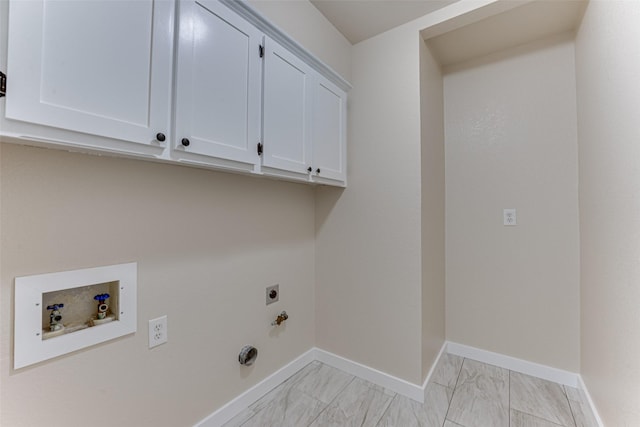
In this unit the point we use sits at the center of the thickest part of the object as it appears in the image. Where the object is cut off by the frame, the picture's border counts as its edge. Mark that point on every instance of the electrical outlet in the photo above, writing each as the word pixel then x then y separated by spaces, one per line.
pixel 510 217
pixel 273 294
pixel 157 331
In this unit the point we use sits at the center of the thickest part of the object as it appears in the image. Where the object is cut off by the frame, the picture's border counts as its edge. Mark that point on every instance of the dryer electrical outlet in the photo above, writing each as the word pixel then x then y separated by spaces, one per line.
pixel 273 294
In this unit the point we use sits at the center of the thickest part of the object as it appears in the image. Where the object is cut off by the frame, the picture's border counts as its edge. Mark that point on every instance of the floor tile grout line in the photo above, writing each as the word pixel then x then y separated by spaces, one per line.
pixel 573 415
pixel 344 387
pixel 580 404
pixel 291 385
pixel 289 382
pixel 386 410
pixel 317 416
pixel 555 421
pixel 248 419
pixel 453 393
pixel 353 378
pixel 539 418
pixel 383 392
pixel 253 411
pixel 509 408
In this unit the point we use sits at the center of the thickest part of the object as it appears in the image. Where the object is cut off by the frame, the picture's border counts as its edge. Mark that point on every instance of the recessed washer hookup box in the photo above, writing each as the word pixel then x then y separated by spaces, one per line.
pixel 58 313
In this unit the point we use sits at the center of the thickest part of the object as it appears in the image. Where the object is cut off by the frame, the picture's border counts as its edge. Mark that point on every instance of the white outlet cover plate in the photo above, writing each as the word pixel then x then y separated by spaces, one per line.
pixel 158 331
pixel 509 216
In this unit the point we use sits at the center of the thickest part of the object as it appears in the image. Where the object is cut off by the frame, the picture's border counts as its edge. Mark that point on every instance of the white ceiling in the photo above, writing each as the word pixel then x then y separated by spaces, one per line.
pixel 359 20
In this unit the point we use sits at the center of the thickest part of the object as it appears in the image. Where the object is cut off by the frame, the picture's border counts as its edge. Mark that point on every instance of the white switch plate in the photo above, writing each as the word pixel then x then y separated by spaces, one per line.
pixel 157 331
pixel 510 217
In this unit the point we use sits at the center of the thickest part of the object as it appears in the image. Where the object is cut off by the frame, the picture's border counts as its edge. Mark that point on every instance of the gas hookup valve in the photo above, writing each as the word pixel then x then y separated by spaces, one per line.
pixel 281 318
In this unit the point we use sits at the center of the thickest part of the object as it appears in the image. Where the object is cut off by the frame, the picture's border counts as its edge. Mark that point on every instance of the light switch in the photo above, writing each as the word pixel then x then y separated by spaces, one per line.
pixel 510 217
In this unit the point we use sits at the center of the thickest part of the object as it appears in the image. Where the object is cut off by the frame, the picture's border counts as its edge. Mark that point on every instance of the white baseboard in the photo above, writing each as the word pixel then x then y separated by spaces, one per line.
pixel 442 351
pixel 586 396
pixel 525 367
pixel 242 402
pixel 397 385
pixel 514 364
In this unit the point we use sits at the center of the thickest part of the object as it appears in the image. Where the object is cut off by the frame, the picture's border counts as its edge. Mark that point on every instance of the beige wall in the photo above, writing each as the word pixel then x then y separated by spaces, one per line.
pixel 368 238
pixel 511 142
pixel 379 251
pixel 206 243
pixel 608 66
pixel 433 207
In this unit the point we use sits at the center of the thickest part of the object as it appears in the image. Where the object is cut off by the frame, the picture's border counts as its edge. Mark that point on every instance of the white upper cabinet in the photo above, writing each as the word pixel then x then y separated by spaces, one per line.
pixel 304 120
pixel 288 91
pixel 98 67
pixel 329 132
pixel 219 72
pixel 209 83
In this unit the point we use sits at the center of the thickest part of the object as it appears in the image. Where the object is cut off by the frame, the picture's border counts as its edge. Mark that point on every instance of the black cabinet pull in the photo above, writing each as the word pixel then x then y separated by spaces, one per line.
pixel 160 137
pixel 309 169
pixel 185 142
pixel 318 170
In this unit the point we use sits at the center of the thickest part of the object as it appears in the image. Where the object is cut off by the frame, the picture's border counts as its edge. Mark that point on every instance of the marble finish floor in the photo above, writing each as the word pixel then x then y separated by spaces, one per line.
pixel 462 393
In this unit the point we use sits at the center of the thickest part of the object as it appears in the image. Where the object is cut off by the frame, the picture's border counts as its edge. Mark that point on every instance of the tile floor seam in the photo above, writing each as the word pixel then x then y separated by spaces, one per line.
pixel 455 387
pixel 565 421
pixel 539 418
pixel 386 410
pixel 331 402
pixel 247 420
pixel 316 417
pixel 509 406
pixel 341 390
pixel 573 416
pixel 444 420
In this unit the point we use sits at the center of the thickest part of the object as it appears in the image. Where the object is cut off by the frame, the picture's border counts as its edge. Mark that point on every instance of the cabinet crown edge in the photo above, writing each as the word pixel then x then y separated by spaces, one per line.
pixel 244 9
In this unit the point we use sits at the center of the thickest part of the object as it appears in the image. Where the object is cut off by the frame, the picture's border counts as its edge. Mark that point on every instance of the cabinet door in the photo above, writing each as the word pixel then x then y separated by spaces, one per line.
pixel 218 83
pixel 99 67
pixel 329 131
pixel 288 85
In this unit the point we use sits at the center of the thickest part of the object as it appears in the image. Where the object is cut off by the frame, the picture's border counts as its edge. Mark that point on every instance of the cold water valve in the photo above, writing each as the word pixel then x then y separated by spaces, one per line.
pixel 55 318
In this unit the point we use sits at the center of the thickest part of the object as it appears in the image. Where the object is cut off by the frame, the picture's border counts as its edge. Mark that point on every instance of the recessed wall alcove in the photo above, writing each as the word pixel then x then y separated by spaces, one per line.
pixel 498 91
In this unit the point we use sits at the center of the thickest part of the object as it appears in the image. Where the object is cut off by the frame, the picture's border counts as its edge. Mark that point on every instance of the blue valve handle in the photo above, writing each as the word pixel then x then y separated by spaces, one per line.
pixel 101 297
